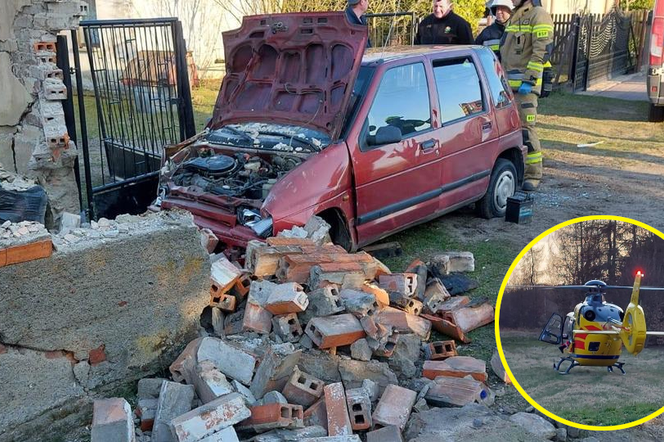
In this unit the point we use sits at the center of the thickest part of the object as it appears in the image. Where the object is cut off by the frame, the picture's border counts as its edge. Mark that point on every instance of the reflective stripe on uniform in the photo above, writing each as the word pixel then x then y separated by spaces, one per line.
pixel 534 158
pixel 519 28
pixel 539 67
pixel 518 83
pixel 530 118
pixel 493 44
pixel 542 31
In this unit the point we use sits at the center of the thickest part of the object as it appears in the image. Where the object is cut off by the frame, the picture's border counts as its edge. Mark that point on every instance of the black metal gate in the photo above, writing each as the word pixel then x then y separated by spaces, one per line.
pixel 604 48
pixel 140 101
pixel 392 28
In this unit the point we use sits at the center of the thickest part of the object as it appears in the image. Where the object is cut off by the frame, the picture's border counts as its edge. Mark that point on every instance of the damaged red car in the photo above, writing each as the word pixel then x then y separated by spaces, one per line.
pixel 306 123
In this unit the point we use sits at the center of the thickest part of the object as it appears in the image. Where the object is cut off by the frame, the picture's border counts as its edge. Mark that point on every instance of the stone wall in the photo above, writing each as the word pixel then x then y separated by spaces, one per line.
pixel 113 304
pixel 33 136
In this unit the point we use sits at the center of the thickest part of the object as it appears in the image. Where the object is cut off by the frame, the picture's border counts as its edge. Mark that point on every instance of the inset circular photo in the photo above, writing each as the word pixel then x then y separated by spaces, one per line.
pixel 580 323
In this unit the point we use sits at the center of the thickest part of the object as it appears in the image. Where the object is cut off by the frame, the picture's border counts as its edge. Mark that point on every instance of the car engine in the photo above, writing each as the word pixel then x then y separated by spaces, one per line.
pixel 241 175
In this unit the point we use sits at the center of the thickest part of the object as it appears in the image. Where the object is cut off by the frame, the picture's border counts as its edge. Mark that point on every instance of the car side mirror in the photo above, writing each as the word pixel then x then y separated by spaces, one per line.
pixel 385 135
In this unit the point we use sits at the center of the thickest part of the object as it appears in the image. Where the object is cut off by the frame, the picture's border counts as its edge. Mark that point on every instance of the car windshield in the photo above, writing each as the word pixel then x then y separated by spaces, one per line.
pixel 270 136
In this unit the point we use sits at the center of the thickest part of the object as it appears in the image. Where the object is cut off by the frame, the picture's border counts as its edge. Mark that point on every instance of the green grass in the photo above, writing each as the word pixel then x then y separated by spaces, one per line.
pixel 588 395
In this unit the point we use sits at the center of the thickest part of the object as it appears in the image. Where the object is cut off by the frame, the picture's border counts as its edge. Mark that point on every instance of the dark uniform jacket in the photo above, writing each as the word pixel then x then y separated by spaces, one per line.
pixel 490 36
pixel 350 14
pixel 450 29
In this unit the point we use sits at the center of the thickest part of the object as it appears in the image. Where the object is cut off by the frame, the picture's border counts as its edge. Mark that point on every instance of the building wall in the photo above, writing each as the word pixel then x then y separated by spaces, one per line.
pixel 33 136
pixel 573 6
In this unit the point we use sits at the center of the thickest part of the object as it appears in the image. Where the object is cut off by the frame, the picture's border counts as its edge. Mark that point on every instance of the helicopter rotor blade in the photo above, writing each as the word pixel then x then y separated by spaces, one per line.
pixel 598 332
pixel 655 333
pixel 583 287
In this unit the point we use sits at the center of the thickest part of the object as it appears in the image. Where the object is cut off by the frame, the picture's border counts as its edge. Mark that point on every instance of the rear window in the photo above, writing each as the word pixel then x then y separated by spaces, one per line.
pixel 497 86
pixel 459 89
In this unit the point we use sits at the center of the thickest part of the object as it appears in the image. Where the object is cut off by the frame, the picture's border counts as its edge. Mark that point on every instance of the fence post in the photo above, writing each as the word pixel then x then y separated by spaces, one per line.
pixel 186 111
pixel 586 76
pixel 574 49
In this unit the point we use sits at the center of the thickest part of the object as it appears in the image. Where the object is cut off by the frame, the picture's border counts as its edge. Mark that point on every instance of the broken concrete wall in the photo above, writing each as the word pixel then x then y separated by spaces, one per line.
pixel 112 306
pixel 33 135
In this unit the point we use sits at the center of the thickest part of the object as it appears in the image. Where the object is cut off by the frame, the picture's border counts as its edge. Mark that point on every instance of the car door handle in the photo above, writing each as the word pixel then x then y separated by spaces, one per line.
pixel 486 126
pixel 428 144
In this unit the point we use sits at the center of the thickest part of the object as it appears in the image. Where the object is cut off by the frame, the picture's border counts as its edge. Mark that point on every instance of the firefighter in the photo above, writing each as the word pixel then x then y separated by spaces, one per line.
pixel 491 35
pixel 525 48
pixel 443 27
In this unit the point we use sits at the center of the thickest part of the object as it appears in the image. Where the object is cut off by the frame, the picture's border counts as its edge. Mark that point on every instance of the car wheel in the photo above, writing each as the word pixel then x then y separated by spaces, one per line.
pixel 502 185
pixel 656 114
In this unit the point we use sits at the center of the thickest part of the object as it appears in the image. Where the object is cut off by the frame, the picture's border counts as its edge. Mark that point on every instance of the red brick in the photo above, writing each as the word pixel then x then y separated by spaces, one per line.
pixel 456 366
pixel 3 349
pixel 224 275
pixel 256 319
pixel 241 287
pixel 387 346
pixel 97 356
pixel 496 366
pixel 390 433
pixel 422 271
pixel 233 324
pixel 381 295
pixel 335 331
pixel 221 300
pixel 338 421
pixel 287 298
pixel 316 414
pixel 447 391
pixel 287 327
pixel 454 303
pixel 303 389
pixel 209 240
pixel 405 283
pixel 394 407
pixel 404 322
pixel 345 275
pixel 447 328
pixel 283 241
pixel 270 416
pixel 43 46
pixel 359 409
pixel 440 350
pixel 297 268
pixel 469 318
pixel 373 329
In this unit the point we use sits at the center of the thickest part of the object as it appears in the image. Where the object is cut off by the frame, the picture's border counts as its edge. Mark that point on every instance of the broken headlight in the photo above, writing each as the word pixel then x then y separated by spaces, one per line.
pixel 253 219
pixel 263 228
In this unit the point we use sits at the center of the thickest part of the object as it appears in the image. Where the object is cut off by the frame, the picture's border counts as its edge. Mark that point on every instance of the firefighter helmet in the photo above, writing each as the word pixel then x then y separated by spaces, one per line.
pixel 492 5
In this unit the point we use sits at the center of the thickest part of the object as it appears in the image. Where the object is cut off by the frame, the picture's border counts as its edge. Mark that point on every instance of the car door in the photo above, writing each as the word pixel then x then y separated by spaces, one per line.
pixel 469 134
pixel 397 183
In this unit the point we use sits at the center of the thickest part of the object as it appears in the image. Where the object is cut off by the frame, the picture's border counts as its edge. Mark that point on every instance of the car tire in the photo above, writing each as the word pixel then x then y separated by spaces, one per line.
pixel 502 185
pixel 656 114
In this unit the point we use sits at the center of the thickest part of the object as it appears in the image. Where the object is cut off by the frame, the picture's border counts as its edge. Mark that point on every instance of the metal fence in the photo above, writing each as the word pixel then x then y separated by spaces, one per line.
pixel 392 29
pixel 140 103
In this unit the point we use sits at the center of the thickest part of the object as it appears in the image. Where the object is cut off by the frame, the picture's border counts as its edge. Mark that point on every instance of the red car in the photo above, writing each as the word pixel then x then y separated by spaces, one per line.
pixel 305 125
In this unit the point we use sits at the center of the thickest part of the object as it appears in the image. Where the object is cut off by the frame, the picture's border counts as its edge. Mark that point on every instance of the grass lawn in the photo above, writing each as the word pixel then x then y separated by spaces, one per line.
pixel 588 395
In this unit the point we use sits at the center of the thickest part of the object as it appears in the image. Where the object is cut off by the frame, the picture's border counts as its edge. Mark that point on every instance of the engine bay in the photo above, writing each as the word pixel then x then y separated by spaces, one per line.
pixel 237 174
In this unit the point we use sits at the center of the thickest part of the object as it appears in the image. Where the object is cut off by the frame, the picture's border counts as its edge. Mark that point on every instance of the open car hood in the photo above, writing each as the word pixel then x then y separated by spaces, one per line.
pixel 292 69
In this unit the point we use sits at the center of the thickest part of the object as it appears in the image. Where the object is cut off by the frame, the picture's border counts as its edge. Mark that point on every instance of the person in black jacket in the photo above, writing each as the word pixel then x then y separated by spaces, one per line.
pixel 443 27
pixel 491 35
pixel 355 14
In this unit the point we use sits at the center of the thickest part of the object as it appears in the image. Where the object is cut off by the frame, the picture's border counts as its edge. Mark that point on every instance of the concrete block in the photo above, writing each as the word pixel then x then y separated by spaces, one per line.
pixel 273 397
pixel 287 298
pixel 434 296
pixel 359 408
pixel 338 421
pixel 212 417
pixel 353 373
pixel 450 262
pixel 234 323
pixel 210 383
pixel 384 250
pixel 112 421
pixel 54 89
pixel 287 327
pixel 437 350
pixel 174 400
pixel 456 366
pixel 316 414
pixel 228 434
pixel 70 221
pixel 231 361
pixel 447 391
pixel 381 295
pixel 275 369
pixel 322 302
pixel 344 275
pixel 391 433
pixel 217 318
pixel 387 345
pixel 405 283
pixel 404 322
pixel 256 319
pixel 303 389
pixel 409 305
pixel 149 388
pixel 372 389
pixel 360 350
pixel 335 331
pixel 422 271
pixel 394 407
pixel 271 416
pixel 358 302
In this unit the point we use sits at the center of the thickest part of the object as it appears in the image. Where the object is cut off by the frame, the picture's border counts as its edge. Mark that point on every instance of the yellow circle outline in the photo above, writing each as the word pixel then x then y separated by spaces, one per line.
pixel 497 325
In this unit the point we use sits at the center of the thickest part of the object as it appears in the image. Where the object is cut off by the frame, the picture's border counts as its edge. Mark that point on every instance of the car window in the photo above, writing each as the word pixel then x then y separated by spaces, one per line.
pixel 497 85
pixel 402 100
pixel 459 88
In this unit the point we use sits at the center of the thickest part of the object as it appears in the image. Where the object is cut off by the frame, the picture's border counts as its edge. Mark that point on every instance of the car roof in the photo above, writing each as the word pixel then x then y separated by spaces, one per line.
pixel 374 56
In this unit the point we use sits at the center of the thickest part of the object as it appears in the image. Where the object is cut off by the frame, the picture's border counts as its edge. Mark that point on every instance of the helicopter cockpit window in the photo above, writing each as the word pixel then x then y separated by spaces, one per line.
pixel 568 327
pixel 552 333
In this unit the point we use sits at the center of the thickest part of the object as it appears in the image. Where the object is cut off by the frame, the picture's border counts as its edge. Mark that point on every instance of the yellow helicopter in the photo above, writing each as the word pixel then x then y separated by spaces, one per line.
pixel 595 332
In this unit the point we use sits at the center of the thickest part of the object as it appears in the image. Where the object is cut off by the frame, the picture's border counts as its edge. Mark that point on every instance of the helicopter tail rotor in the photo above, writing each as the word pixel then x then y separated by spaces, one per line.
pixel 633 331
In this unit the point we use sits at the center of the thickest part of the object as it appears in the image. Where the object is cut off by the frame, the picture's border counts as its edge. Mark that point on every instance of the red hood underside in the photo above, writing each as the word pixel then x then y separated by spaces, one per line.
pixel 291 69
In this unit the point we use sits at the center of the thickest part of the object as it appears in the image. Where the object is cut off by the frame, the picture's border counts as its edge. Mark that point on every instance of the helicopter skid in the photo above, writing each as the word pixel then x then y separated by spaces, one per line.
pixel 619 365
pixel 572 364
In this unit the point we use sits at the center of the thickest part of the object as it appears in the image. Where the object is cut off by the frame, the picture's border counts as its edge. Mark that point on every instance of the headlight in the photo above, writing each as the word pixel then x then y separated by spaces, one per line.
pixel 263 228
